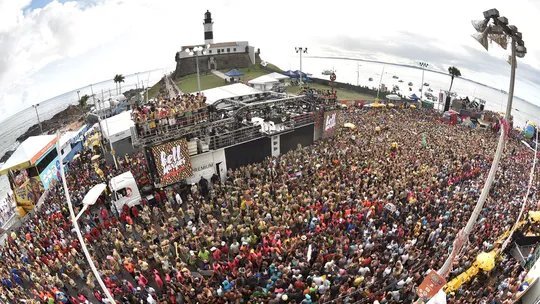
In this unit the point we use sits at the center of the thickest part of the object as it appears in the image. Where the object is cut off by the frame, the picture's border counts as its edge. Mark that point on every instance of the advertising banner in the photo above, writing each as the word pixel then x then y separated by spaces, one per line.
pixel 202 165
pixel 26 193
pixel 50 173
pixel 330 123
pixel 172 162
pixel 432 283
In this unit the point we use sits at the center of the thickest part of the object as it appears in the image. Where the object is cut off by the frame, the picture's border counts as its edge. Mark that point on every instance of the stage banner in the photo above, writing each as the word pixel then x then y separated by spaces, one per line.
pixel 172 162
pixel 330 123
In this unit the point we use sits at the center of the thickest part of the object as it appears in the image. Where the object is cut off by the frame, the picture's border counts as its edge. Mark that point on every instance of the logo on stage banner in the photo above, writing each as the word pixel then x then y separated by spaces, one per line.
pixel 172 162
pixel 329 123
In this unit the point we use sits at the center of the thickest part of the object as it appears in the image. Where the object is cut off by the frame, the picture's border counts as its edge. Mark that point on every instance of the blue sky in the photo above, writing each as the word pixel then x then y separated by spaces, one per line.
pixel 38 4
pixel 50 47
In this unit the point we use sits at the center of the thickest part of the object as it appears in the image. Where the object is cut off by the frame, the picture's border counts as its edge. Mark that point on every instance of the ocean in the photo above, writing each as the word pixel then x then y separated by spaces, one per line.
pixel 16 125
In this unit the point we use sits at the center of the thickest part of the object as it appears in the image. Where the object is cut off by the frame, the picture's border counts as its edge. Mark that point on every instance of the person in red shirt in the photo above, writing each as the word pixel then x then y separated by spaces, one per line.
pixel 104 214
pixel 135 212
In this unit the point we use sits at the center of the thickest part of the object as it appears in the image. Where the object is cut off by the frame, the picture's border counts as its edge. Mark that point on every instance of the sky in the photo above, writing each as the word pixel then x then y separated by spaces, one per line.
pixel 51 47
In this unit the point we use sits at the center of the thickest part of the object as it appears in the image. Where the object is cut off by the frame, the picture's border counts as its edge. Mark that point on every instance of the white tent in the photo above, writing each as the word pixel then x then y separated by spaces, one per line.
pixel 228 91
pixel 278 76
pixel 29 152
pixel 118 126
pixel 393 97
pixel 264 82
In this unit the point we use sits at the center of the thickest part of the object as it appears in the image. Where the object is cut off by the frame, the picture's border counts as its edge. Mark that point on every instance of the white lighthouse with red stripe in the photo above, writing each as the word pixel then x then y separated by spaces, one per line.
pixel 208 32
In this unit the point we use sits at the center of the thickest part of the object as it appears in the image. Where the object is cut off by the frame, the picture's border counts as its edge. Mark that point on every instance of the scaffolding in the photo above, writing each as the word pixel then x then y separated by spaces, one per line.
pixel 232 124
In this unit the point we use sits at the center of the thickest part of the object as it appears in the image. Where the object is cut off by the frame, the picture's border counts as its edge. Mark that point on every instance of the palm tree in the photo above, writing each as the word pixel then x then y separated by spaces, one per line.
pixel 83 101
pixel 454 72
pixel 118 79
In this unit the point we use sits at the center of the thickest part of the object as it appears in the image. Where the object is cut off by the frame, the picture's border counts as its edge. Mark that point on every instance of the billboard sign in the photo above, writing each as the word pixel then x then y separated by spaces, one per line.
pixel 50 173
pixel 433 282
pixel 172 162
pixel 330 122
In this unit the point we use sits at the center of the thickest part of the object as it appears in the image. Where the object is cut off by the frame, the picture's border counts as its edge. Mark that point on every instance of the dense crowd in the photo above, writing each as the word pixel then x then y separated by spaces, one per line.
pixel 6 208
pixel 157 116
pixel 357 218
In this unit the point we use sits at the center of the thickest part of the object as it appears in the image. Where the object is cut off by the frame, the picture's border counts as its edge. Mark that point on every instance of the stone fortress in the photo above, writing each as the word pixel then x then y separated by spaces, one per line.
pixel 218 56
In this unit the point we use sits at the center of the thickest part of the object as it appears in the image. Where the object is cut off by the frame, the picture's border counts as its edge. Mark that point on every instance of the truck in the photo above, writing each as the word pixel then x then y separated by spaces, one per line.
pixel 124 191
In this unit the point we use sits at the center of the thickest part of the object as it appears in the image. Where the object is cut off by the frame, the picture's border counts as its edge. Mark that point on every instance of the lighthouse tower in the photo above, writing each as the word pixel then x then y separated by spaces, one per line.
pixel 208 33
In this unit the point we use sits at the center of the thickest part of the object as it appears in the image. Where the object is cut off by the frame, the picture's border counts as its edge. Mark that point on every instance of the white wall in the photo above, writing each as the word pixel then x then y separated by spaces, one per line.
pixel 204 165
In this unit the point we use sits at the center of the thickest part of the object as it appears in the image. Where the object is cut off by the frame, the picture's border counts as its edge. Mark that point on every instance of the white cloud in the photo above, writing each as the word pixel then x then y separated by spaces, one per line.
pixel 63 46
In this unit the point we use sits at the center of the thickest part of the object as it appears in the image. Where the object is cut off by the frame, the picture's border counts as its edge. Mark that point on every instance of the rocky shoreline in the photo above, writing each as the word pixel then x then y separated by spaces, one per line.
pixel 61 119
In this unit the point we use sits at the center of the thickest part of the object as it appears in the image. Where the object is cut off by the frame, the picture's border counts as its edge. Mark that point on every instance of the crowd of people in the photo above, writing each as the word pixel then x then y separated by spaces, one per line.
pixel 6 208
pixel 156 117
pixel 356 218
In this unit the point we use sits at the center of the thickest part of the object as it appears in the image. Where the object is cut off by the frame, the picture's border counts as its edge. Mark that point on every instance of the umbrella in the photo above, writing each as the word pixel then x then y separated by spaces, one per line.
pixel 486 261
pixel 350 126
pixel 95 157
pixel 393 97
pixel 412 106
pixel 390 105
pixel 76 156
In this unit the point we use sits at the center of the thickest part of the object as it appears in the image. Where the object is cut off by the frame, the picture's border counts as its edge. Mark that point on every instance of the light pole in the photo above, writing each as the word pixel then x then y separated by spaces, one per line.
pixel 423 65
pixel 358 74
pixel 301 50
pixel 108 132
pixel 380 83
pixel 89 199
pixel 37 114
pixel 198 51
pixel 498 31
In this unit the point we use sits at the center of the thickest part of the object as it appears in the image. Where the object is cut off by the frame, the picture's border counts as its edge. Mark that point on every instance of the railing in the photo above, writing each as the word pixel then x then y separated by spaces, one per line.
pixel 236 136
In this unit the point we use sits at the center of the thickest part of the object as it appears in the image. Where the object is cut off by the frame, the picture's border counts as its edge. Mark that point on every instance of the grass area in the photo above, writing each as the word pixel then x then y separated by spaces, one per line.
pixel 188 83
pixel 342 94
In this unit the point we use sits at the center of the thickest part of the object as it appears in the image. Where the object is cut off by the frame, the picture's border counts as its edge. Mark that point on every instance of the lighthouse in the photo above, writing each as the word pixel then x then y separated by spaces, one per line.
pixel 208 33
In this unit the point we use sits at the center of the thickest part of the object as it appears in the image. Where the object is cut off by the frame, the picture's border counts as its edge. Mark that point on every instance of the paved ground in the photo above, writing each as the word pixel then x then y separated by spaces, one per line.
pixel 171 87
pixel 220 75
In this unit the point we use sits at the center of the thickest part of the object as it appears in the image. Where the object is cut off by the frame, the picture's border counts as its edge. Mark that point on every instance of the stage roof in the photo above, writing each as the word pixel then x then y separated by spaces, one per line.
pixel 29 152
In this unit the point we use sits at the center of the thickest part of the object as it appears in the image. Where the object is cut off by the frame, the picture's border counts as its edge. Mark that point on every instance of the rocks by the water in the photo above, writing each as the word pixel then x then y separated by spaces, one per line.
pixel 69 115
pixel 6 156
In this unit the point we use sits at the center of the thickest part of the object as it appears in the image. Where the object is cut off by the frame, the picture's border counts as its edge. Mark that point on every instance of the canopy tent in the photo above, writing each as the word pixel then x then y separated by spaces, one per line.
pixel 414 97
pixel 264 79
pixel 228 91
pixel 29 152
pixel 393 97
pixel 291 74
pixel 66 138
pixel 263 83
pixel 117 127
pixel 234 73
pixel 278 76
